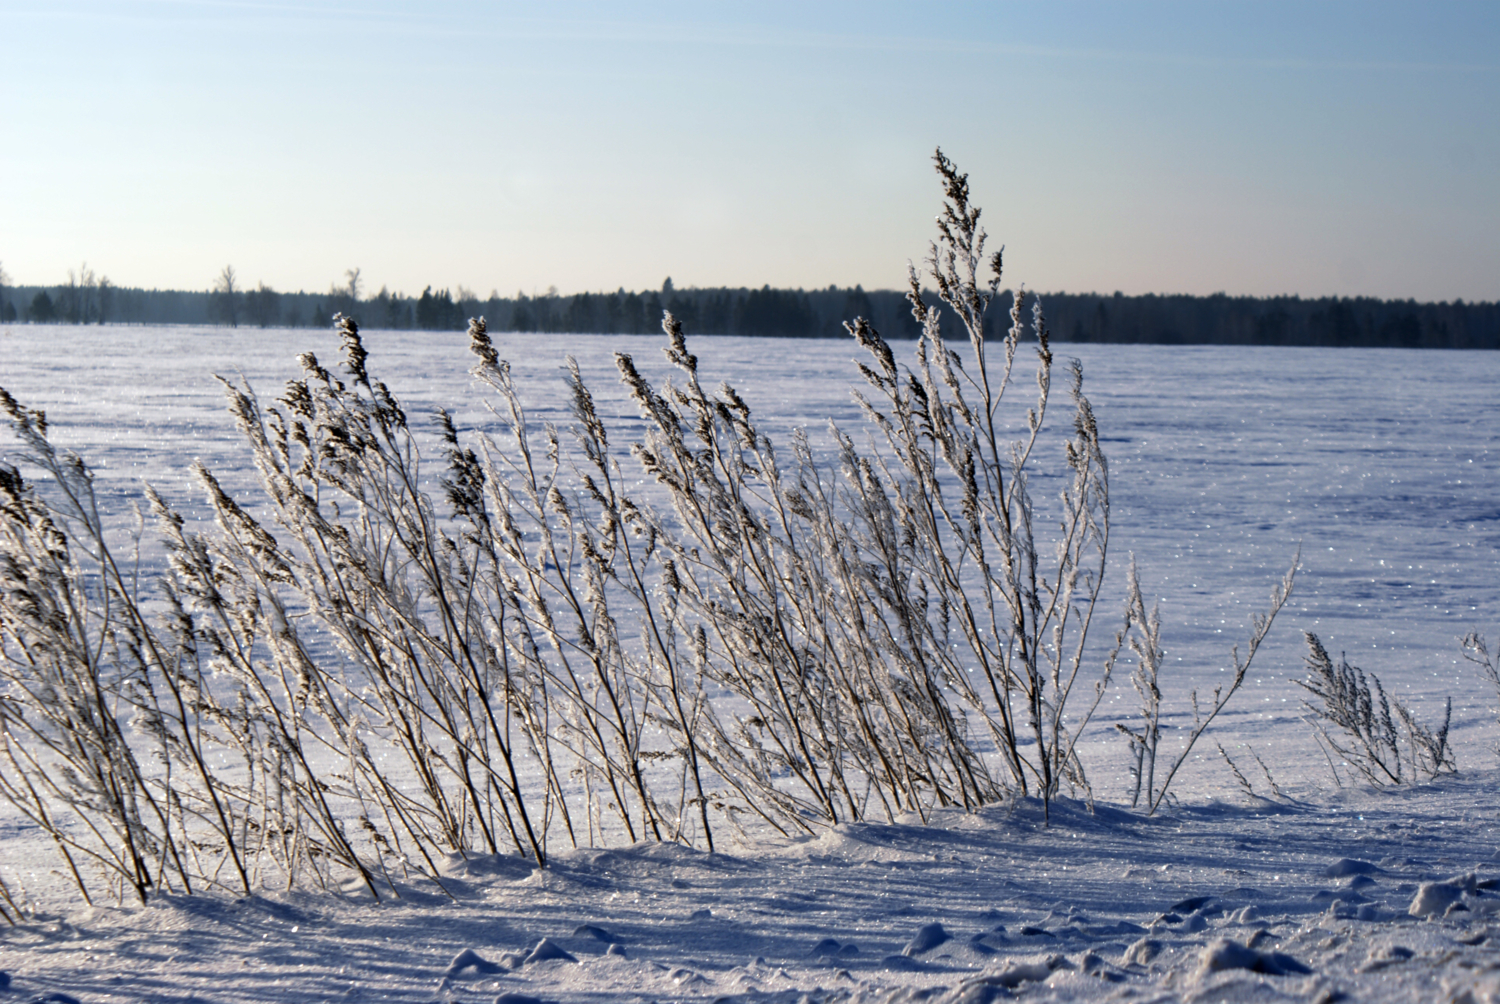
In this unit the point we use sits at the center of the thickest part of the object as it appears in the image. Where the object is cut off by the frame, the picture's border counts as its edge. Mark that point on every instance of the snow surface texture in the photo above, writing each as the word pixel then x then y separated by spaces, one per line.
pixel 1383 464
pixel 1211 903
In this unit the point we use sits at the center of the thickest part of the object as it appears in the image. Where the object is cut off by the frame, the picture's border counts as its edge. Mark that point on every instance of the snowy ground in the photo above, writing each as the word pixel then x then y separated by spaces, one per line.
pixel 1383 464
pixel 1102 906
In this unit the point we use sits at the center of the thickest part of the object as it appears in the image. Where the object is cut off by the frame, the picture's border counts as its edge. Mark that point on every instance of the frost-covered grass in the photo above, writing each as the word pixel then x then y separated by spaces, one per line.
pixel 540 650
pixel 375 645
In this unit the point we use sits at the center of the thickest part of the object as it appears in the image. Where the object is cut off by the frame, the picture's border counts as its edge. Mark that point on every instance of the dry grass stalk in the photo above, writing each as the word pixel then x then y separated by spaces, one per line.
pixel 1142 632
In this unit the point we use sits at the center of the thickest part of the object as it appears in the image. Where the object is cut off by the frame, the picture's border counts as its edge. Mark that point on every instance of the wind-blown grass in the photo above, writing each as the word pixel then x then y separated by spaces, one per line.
pixel 1351 715
pixel 549 654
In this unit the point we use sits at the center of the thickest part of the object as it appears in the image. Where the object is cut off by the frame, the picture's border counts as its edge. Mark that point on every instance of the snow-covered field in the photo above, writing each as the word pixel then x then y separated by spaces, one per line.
pixel 1383 465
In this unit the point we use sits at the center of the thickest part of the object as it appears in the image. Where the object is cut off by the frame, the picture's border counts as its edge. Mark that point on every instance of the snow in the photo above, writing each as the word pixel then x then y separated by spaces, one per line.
pixel 1383 464
pixel 1089 908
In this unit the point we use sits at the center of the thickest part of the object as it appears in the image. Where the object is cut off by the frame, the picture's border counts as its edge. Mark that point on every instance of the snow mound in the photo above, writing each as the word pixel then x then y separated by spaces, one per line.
pixel 994 986
pixel 482 867
pixel 825 947
pixel 1142 952
pixel 928 937
pixel 1191 905
pixel 1382 956
pixel 1437 898
pixel 1224 954
pixel 595 932
pixel 547 950
pixel 470 959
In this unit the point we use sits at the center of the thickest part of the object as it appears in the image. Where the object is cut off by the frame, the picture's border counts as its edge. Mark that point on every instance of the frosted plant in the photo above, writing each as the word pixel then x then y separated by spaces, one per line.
pixel 9 912
pixel 877 618
pixel 1477 651
pixel 77 655
pixel 353 676
pixel 1142 632
pixel 368 557
pixel 1352 715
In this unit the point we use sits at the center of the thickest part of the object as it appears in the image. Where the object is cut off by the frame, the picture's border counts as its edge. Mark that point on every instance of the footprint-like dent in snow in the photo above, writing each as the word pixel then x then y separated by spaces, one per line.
pixel 512 997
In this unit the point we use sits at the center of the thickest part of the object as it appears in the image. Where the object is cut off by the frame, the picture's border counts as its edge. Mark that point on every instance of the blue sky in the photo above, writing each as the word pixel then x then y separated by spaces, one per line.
pixel 1311 148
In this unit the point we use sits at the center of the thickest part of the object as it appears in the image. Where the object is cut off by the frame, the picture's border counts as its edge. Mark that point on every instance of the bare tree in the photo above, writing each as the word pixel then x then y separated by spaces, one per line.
pixel 104 295
pixel 225 295
pixel 84 299
pixel 351 284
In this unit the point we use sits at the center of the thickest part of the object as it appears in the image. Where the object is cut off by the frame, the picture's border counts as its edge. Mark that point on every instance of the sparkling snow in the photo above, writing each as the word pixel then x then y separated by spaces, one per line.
pixel 1383 464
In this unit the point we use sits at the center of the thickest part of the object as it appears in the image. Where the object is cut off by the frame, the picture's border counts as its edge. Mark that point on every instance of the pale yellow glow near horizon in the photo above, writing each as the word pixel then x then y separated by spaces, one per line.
pixel 1338 148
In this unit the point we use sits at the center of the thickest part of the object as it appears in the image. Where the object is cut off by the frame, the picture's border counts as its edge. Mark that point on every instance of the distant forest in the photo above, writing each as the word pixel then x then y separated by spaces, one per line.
pixel 789 313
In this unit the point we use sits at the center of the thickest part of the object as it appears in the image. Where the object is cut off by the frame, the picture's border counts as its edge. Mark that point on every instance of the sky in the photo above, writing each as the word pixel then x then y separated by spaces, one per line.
pixel 1310 148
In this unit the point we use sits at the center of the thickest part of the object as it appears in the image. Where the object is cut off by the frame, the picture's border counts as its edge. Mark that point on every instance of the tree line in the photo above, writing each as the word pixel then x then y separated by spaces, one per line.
pixel 88 298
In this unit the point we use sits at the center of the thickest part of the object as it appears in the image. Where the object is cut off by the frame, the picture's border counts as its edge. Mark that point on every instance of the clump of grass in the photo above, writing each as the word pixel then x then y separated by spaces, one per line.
pixel 366 678
pixel 1142 633
pixel 1242 780
pixel 1477 651
pixel 79 657
pixel 880 618
pixel 1352 716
